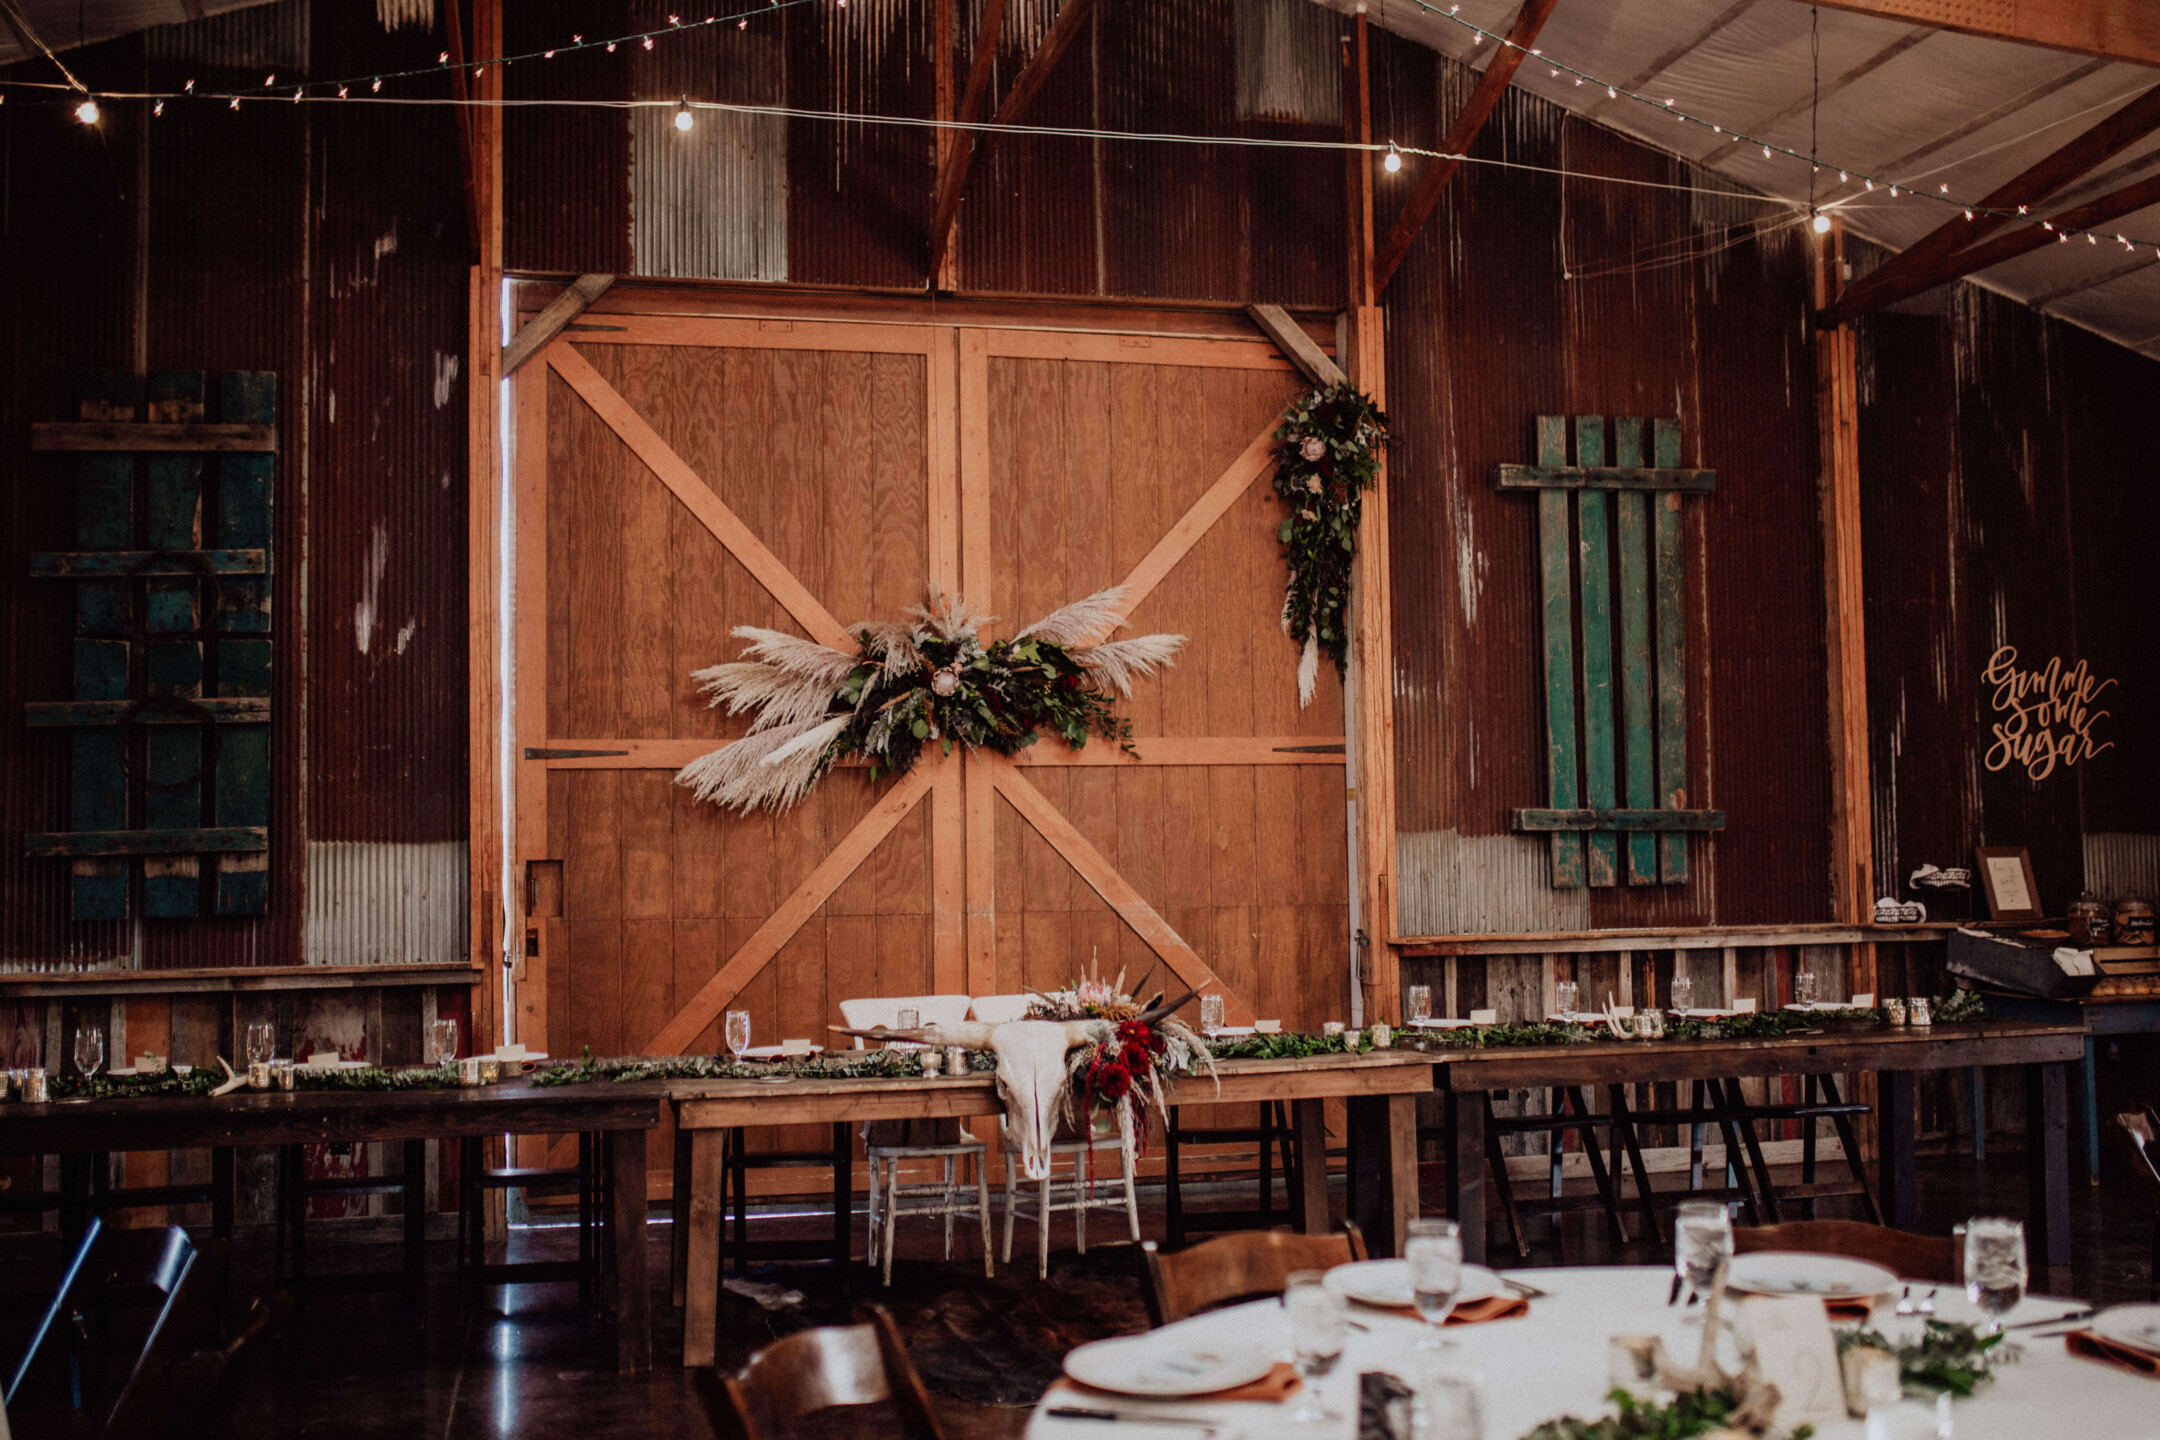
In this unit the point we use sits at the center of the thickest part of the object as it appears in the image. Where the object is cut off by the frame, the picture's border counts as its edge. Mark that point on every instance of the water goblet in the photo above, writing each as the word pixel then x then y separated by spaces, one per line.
pixel 1994 1267
pixel 1433 1249
pixel 1419 1003
pixel 443 1041
pixel 1681 993
pixel 1803 987
pixel 89 1050
pixel 738 1033
pixel 260 1040
pixel 1702 1241
pixel 1567 994
pixel 1317 1326
pixel 1211 1014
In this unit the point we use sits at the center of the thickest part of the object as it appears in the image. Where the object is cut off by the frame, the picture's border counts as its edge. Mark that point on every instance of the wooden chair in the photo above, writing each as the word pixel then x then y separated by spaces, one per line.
pixel 834 1366
pixel 2141 1131
pixel 1272 1137
pixel 1902 1253
pixel 1239 1266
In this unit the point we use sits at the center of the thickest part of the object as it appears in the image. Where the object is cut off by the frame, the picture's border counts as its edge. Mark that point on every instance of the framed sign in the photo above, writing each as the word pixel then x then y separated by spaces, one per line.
pixel 2007 876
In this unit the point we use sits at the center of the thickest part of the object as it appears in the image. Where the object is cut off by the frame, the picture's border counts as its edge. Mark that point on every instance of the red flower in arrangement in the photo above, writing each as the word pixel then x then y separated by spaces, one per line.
pixel 1135 1034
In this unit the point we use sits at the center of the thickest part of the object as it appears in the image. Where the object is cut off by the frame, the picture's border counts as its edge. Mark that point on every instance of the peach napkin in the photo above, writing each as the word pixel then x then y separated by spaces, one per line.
pixel 1470 1312
pixel 1850 1312
pixel 2109 1352
pixel 1278 1384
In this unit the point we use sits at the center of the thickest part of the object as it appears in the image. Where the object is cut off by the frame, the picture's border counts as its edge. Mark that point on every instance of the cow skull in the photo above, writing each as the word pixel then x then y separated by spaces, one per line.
pixel 1033 1069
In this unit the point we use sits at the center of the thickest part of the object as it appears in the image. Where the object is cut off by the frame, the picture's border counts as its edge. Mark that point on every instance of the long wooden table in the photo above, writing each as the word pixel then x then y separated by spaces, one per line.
pixel 1894 1054
pixel 623 1112
pixel 1381 1089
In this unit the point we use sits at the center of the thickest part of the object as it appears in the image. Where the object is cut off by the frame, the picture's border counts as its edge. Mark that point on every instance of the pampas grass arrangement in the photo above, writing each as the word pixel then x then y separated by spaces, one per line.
pixel 929 682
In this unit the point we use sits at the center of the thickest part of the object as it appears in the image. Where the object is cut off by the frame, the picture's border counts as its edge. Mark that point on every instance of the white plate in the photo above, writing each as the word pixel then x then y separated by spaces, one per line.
pixel 772 1052
pixel 1386 1283
pixel 1580 1017
pixel 1441 1024
pixel 1165 1365
pixel 126 1072
pixel 2134 1325
pixel 1705 1012
pixel 1782 1272
pixel 525 1058
pixel 1228 1032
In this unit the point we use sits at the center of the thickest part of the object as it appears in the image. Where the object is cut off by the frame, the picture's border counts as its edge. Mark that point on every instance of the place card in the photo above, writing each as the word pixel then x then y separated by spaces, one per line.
pixel 1799 1355
pixel 1267 1027
pixel 323 1060
pixel 1484 1017
pixel 1743 1007
pixel 512 1053
pixel 1865 1000
pixel 793 1048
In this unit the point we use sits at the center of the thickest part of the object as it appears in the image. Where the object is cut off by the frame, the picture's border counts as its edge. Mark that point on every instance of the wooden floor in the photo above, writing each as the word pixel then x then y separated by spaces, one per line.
pixel 362 1366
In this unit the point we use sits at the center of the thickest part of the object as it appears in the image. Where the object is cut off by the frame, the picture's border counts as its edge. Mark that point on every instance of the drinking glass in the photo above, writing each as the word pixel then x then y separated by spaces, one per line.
pixel 1681 993
pixel 1803 987
pixel 1702 1240
pixel 1317 1323
pixel 1567 995
pixel 1450 1402
pixel 1994 1267
pixel 260 1036
pixel 443 1041
pixel 1420 1003
pixel 1434 1251
pixel 908 1018
pixel 738 1033
pixel 1211 1013
pixel 89 1050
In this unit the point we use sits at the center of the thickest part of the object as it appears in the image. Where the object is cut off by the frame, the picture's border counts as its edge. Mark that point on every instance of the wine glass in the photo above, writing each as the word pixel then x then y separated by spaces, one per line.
pixel 738 1033
pixel 1434 1251
pixel 443 1041
pixel 1211 1014
pixel 1566 996
pixel 89 1050
pixel 260 1040
pixel 1420 1003
pixel 1702 1241
pixel 1317 1324
pixel 1681 992
pixel 1994 1267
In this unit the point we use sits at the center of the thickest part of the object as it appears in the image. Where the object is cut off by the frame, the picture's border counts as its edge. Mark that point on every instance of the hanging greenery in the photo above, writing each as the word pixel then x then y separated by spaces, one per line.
pixel 1327 456
pixel 933 681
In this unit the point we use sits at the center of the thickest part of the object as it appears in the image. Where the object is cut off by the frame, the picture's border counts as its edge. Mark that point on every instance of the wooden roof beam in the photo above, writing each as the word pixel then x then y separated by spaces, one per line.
pixel 1491 85
pixel 2027 238
pixel 968 144
pixel 1931 260
pixel 2118 29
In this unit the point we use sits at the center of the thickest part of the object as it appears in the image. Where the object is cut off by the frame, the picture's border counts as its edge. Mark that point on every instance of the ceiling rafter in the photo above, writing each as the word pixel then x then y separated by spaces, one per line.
pixel 1484 98
pixel 2120 29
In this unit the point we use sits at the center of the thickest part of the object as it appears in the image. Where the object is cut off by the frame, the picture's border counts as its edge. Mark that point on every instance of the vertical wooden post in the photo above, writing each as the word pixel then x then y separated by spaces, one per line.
pixel 1838 426
pixel 1357 164
pixel 1373 723
pixel 947 274
pixel 484 523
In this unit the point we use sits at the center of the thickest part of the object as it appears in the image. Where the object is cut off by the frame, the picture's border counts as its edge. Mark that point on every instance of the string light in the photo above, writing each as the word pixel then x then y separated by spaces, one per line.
pixel 683 120
pixel 158 109
pixel 1393 162
pixel 87 112
pixel 1820 222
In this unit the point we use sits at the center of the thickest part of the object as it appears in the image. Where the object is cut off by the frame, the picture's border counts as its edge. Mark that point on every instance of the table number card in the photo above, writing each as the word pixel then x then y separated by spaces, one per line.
pixel 1743 1007
pixel 1484 1017
pixel 1798 1354
pixel 1865 1000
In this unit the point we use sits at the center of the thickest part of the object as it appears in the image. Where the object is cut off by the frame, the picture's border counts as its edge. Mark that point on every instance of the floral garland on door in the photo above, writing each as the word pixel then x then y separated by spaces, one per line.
pixel 933 681
pixel 1327 456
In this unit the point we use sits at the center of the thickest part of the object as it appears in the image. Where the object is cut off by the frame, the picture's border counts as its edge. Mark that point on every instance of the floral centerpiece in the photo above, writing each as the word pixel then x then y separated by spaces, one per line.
pixel 1135 1062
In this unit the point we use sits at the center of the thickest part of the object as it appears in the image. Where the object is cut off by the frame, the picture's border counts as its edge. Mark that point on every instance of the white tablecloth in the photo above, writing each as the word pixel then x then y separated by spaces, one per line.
pixel 1552 1362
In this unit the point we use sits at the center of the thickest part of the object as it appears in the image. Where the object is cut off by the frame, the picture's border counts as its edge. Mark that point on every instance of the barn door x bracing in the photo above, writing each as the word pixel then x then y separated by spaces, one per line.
pixel 677 476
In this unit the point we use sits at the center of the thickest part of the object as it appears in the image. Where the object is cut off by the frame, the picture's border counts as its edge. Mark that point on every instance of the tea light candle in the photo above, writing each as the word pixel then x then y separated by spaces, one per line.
pixel 933 1063
pixel 36 1088
pixel 956 1060
pixel 1383 1038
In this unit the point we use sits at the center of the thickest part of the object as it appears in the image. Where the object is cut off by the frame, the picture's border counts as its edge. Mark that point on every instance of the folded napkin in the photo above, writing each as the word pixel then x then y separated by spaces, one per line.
pixel 2110 1352
pixel 1278 1384
pixel 1855 1311
pixel 1470 1312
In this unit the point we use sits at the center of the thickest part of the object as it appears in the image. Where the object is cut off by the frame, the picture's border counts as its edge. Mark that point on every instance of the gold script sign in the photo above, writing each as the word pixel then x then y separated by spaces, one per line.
pixel 2046 715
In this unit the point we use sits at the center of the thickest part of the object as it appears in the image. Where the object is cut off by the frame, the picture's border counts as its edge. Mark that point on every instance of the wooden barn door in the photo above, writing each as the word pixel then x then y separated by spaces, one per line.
pixel 679 476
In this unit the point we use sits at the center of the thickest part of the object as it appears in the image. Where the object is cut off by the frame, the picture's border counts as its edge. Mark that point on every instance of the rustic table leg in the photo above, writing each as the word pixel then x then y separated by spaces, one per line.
pixel 1895 1130
pixel 679 1219
pixel 2047 1164
pixel 415 1193
pixel 2089 1093
pixel 221 1192
pixel 701 1250
pixel 1466 1169
pixel 1308 1120
pixel 1385 1131
pixel 633 1300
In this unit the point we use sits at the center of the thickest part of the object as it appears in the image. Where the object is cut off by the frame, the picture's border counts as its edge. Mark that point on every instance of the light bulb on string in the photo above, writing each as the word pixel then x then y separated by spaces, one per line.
pixel 1821 223
pixel 1393 162
pixel 443 58
pixel 235 103
pixel 375 88
pixel 341 92
pixel 1766 152
pixel 683 118
pixel 87 112
pixel 189 87
pixel 648 42
pixel 158 108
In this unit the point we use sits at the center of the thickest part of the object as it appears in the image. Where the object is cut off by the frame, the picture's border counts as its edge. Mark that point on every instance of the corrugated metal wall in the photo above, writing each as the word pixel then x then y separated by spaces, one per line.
pixel 2008 501
pixel 1526 295
pixel 324 244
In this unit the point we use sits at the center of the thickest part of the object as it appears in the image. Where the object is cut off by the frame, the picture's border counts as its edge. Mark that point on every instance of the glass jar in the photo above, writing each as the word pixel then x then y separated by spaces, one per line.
pixel 2091 922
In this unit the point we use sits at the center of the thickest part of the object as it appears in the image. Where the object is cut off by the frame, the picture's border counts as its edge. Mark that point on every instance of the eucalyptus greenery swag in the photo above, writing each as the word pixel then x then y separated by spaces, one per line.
pixel 931 680
pixel 1327 455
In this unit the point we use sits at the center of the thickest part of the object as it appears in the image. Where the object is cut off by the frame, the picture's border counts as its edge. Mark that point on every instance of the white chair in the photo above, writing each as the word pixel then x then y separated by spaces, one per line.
pixel 1075 1190
pixel 889 1144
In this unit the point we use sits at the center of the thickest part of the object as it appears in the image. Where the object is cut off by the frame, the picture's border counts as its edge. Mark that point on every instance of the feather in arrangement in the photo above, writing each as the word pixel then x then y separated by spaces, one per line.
pixel 909 686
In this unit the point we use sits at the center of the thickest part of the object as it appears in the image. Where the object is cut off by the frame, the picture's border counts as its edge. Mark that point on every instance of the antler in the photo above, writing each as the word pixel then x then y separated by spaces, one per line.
pixel 1158 1010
